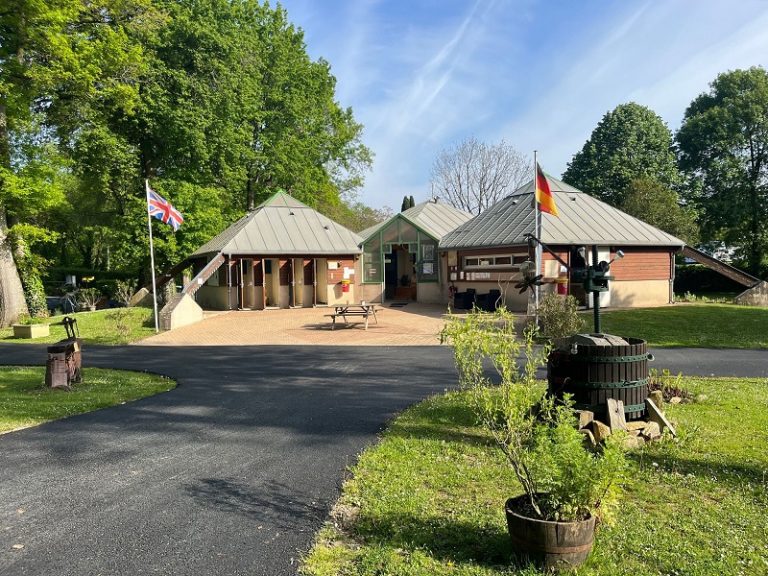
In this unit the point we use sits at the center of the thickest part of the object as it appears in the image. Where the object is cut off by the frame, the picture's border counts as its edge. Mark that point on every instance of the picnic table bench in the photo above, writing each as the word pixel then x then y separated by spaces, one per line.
pixel 363 310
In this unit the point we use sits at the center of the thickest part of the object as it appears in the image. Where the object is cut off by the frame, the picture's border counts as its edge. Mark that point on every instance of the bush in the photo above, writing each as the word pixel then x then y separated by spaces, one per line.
pixel 563 479
pixel 559 317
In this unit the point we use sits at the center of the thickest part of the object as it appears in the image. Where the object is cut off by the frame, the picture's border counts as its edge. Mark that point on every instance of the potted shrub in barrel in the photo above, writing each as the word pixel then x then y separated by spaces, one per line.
pixel 567 485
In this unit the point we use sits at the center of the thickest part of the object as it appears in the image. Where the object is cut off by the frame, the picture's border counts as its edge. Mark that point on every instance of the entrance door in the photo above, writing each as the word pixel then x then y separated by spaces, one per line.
pixel 390 275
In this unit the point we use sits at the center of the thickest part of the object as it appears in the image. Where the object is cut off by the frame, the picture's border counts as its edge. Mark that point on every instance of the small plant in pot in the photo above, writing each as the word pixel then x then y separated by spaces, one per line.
pixel 87 298
pixel 567 485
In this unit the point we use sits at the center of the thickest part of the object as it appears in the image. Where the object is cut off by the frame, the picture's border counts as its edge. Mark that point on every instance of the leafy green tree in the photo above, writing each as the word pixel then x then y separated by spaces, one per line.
pixel 356 215
pixel 411 202
pixel 406 204
pixel 36 54
pixel 723 144
pixel 629 142
pixel 660 206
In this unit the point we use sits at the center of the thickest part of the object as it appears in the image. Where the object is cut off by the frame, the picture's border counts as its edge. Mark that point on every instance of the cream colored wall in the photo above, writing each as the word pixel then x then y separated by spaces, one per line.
pixel 321 277
pixel 285 297
pixel 184 313
pixel 638 293
pixel 430 293
pixel 370 292
pixel 214 297
pixel 336 296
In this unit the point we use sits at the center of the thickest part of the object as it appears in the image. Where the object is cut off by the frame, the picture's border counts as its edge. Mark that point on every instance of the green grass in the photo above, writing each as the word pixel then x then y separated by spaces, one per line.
pixel 428 499
pixel 690 325
pixel 95 327
pixel 26 401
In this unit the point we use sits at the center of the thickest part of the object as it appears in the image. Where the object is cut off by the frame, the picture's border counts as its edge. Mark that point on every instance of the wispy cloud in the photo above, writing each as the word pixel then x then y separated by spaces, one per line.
pixel 540 74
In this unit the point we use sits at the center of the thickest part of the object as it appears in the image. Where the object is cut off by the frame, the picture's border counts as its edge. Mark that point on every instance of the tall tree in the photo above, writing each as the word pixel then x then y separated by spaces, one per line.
pixel 723 144
pixel 629 142
pixel 473 175
pixel 36 53
pixel 660 206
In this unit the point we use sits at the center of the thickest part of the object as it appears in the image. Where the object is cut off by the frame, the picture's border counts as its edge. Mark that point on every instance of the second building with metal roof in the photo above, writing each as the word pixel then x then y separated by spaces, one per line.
pixel 484 255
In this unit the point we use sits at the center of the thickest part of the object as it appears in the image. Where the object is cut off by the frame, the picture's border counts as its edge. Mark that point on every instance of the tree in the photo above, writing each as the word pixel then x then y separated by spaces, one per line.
pixel 356 215
pixel 36 52
pixel 659 206
pixel 473 175
pixel 723 144
pixel 629 142
pixel 405 205
pixel 411 201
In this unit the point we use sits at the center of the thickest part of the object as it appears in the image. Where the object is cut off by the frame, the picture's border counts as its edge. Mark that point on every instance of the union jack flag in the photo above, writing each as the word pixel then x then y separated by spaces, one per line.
pixel 161 209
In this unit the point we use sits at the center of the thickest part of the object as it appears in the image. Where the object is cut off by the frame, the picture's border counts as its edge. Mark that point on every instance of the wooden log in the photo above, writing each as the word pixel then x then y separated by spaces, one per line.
pixel 656 415
pixel 616 419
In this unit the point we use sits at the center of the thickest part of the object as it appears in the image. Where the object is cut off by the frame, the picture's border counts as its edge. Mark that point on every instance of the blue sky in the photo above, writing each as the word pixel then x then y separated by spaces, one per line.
pixel 425 74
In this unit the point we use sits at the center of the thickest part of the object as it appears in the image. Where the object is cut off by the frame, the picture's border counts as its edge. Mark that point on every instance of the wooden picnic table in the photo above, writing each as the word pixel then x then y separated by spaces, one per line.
pixel 346 310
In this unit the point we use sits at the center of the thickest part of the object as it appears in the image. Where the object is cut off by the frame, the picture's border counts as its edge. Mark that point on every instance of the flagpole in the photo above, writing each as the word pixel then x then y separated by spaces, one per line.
pixel 537 232
pixel 151 256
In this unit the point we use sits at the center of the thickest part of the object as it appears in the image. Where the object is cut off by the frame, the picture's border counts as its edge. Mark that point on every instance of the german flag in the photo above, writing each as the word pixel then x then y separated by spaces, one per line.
pixel 544 199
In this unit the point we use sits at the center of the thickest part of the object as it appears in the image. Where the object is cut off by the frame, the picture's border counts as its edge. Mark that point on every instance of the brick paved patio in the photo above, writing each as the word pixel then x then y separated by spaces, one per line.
pixel 414 324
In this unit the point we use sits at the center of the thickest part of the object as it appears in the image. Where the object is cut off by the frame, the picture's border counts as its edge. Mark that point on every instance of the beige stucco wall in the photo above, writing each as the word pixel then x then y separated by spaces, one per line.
pixel 370 292
pixel 638 293
pixel 214 297
pixel 184 313
pixel 430 293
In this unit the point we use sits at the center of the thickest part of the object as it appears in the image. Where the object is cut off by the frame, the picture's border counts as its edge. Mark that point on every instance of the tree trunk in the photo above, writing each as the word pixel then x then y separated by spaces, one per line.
pixel 12 302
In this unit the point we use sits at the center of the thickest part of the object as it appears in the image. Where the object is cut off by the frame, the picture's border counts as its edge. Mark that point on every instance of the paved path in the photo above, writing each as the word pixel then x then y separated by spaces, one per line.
pixel 230 473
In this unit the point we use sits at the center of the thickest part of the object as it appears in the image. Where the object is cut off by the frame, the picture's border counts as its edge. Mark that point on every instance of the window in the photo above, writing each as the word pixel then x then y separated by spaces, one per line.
pixel 494 261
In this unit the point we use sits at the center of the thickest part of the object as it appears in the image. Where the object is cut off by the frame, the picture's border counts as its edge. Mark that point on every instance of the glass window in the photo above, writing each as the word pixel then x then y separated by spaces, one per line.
pixel 428 265
pixel 372 261
pixel 390 234
pixel 408 233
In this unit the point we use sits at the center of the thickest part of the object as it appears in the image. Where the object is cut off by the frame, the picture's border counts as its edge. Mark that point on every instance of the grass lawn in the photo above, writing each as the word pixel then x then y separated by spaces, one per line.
pixel 26 401
pixel 690 325
pixel 428 499
pixel 98 327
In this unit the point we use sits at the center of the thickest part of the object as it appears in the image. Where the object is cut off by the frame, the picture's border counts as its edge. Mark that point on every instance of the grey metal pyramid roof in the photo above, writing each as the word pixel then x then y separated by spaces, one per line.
pixel 583 220
pixel 434 218
pixel 283 226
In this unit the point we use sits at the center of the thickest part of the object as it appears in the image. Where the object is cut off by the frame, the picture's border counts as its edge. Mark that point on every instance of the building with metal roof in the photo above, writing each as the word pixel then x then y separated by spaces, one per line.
pixel 400 256
pixel 485 253
pixel 283 226
pixel 282 254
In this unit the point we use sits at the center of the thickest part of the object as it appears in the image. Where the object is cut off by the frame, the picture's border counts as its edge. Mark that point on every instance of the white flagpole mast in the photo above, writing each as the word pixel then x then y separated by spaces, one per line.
pixel 151 256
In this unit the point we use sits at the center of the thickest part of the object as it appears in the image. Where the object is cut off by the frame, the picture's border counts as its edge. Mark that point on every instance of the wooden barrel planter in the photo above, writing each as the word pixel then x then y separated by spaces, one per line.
pixel 551 545
pixel 596 367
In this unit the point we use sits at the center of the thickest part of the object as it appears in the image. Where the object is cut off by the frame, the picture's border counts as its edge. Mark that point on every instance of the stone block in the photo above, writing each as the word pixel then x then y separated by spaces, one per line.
pixel 600 430
pixel 636 425
pixel 585 417
pixel 755 296
pixel 658 397
pixel 633 442
pixel 652 431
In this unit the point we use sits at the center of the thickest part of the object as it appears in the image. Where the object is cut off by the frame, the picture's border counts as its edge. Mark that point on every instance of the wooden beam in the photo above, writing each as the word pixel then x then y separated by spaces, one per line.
pixel 720 267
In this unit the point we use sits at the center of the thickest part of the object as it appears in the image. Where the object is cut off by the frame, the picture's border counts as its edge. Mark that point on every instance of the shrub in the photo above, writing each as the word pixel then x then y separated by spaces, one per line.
pixel 559 317
pixel 563 479
pixel 88 297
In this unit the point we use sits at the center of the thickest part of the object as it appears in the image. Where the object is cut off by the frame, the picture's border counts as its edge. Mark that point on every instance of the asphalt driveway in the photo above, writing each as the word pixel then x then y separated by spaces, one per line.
pixel 230 473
